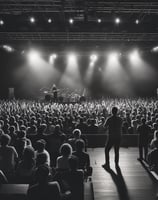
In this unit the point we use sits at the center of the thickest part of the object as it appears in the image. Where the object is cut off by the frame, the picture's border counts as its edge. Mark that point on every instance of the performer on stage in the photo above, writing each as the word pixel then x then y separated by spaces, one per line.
pixel 55 93
pixel 114 126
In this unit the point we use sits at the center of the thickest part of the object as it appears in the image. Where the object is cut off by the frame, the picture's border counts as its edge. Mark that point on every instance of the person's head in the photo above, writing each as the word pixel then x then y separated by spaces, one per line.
pixel 40 145
pixel 134 123
pixel 5 139
pixel 66 150
pixel 41 159
pixel 23 128
pixel 34 128
pixel 21 134
pixel 156 135
pixel 80 145
pixel 57 128
pixel 42 174
pixel 114 110
pixel 93 122
pixel 156 144
pixel 12 129
pixel 76 133
pixel 103 120
pixel 29 154
pixel 143 120
pixel 73 163
pixel 42 128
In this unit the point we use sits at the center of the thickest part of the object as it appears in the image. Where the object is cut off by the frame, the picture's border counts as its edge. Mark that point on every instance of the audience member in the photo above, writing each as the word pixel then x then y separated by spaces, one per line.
pixel 143 131
pixel 62 161
pixel 8 156
pixel 44 189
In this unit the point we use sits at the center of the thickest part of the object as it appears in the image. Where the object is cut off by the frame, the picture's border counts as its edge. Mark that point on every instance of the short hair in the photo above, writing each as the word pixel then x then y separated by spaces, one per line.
pixel 114 110
pixel 65 149
pixel 5 139
pixel 29 153
pixel 12 128
pixel 21 134
pixel 77 133
pixel 79 144
pixel 40 144
pixel 143 120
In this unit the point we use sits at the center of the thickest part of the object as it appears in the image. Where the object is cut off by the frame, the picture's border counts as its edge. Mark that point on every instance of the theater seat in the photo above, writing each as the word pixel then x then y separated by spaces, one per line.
pixel 13 191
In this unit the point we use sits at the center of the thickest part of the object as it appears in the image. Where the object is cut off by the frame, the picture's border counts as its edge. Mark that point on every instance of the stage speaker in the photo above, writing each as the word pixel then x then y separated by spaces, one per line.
pixel 48 97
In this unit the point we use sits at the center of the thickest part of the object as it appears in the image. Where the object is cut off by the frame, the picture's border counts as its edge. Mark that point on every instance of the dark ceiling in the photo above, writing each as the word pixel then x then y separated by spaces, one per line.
pixel 85 13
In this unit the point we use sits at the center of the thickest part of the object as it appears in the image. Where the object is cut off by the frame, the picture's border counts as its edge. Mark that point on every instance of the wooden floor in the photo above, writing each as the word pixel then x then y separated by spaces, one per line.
pixel 131 182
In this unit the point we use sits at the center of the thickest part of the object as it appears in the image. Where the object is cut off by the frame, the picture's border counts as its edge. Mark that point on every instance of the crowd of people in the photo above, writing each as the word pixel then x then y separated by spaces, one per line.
pixel 43 141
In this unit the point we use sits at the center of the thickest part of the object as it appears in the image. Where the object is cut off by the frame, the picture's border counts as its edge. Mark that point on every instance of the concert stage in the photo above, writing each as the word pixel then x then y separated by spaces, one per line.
pixel 132 182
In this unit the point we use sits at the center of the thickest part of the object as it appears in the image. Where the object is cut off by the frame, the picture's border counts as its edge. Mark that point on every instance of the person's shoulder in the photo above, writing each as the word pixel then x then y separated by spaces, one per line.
pixel 45 151
pixel 85 154
pixel 59 158
pixel 53 184
pixel 11 148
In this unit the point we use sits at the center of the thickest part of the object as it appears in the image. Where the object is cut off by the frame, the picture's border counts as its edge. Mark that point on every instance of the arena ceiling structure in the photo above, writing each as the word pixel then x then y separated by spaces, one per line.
pixel 80 43
pixel 79 21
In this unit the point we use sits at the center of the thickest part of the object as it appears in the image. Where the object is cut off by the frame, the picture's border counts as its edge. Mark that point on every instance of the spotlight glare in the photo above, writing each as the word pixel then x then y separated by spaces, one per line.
pixel 117 20
pixel 52 58
pixel 99 20
pixel 33 56
pixel 93 57
pixel 8 48
pixel 114 55
pixel 91 64
pixel 71 57
pixel 49 20
pixel 137 21
pixel 1 22
pixel 155 49
pixel 71 21
pixel 32 19
pixel 134 56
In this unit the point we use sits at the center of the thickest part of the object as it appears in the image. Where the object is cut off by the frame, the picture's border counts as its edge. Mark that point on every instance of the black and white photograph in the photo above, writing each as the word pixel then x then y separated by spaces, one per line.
pixel 78 99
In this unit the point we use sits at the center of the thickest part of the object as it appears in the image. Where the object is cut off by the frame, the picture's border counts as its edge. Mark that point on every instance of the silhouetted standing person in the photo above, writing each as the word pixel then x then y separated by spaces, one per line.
pixel 143 131
pixel 114 126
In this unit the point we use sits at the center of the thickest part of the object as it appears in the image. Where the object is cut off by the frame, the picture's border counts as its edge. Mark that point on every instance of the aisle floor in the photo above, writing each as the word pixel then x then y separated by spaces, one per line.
pixel 129 182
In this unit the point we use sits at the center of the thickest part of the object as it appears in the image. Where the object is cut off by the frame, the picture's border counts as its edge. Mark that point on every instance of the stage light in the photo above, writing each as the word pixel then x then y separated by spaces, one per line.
pixel 99 20
pixel 137 21
pixel 49 20
pixel 93 57
pixel 134 56
pixel 117 20
pixel 33 56
pixel 52 58
pixel 71 21
pixel 8 48
pixel 1 22
pixel 32 20
pixel 71 57
pixel 155 49
pixel 114 55
pixel 91 64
